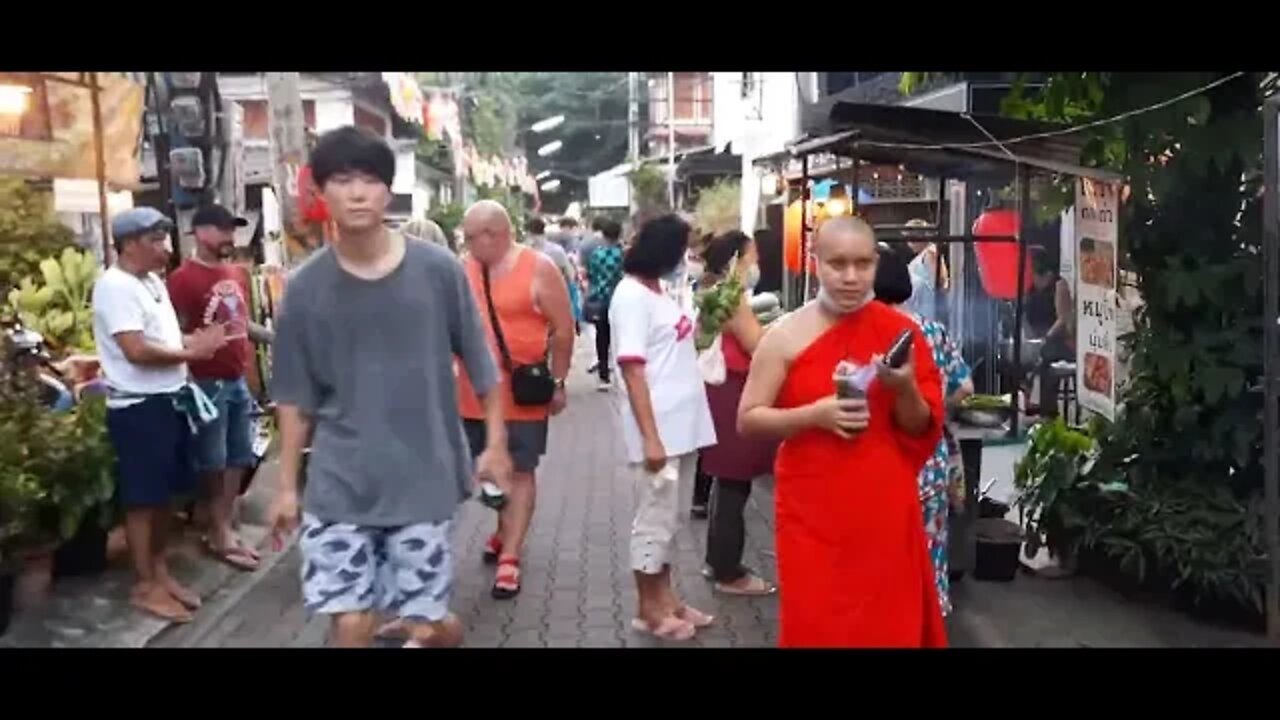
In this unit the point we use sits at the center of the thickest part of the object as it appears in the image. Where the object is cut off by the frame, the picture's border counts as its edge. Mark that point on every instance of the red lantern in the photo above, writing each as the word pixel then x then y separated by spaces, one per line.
pixel 792 232
pixel 310 205
pixel 998 261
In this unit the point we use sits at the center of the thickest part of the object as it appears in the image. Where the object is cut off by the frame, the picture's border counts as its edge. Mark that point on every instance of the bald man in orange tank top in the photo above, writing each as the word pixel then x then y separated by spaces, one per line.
pixel 531 302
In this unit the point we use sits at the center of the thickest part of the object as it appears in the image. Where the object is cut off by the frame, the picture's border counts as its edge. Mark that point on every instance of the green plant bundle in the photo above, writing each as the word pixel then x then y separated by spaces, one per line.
pixel 716 305
pixel 58 305
pixel 1055 455
pixel 649 188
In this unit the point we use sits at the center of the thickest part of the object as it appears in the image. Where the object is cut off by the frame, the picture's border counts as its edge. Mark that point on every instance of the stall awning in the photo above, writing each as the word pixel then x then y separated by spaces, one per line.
pixel 937 143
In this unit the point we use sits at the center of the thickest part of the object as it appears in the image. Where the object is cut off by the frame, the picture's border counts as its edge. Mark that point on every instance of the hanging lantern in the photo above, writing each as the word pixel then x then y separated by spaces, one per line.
pixel 311 206
pixel 792 232
pixel 998 261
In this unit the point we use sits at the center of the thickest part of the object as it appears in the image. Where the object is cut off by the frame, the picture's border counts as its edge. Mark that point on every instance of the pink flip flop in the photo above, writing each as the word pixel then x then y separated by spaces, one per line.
pixel 695 617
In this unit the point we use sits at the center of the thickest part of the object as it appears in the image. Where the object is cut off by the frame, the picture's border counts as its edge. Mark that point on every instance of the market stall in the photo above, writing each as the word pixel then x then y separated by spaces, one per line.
pixel 987 252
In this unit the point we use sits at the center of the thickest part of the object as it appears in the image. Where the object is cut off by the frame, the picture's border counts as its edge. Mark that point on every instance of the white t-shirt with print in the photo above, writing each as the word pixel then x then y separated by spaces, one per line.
pixel 650 327
pixel 123 302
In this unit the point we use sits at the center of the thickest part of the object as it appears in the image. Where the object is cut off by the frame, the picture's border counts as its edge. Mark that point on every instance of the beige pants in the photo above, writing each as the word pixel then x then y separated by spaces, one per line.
pixel 661 500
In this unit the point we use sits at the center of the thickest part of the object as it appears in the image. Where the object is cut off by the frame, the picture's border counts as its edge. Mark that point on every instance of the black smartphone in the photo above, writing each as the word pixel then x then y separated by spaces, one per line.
pixel 900 351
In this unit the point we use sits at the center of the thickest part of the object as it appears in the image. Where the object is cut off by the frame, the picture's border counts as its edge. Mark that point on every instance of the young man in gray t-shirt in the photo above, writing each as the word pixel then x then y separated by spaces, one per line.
pixel 367 336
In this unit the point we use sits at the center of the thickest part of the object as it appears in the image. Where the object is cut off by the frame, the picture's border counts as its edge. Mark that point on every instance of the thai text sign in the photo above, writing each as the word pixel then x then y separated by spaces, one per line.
pixel 1096 236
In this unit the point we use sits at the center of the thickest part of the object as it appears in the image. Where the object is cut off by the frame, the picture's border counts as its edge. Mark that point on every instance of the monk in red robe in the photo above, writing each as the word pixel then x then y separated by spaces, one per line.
pixel 853 564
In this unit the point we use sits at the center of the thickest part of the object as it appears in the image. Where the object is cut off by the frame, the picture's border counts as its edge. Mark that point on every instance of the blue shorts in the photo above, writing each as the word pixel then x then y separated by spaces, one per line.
pixel 403 570
pixel 228 441
pixel 153 444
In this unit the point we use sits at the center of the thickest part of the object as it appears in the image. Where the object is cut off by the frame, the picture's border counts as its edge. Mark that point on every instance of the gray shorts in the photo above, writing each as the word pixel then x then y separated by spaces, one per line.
pixel 526 441
pixel 406 570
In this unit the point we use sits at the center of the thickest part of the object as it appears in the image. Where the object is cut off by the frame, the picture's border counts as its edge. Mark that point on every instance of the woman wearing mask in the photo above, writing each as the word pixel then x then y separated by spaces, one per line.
pixel 941 479
pixel 734 461
pixel 664 415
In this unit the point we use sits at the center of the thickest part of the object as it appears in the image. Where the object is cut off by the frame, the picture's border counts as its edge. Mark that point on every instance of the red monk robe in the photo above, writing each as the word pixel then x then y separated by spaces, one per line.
pixel 853 567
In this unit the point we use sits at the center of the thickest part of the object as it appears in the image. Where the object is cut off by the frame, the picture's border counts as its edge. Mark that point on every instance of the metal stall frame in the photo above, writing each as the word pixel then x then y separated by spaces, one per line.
pixel 1271 362
pixel 851 144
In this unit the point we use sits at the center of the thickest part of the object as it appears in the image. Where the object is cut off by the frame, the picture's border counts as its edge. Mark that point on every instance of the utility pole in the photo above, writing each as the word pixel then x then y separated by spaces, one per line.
pixel 633 116
pixel 288 148
pixel 671 140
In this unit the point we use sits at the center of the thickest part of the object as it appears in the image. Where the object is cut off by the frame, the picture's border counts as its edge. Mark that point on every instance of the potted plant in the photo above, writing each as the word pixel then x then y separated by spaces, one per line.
pixel 82 491
pixel 1046 475
pixel 20 496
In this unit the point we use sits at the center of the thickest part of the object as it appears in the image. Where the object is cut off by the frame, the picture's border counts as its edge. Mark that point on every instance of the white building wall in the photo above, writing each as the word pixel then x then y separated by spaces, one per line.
pixel 760 124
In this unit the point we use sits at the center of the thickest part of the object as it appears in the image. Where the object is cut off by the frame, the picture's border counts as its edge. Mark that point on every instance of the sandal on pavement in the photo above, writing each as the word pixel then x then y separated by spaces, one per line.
pixel 671 628
pixel 492 549
pixel 756 586
pixel 506 582
pixel 395 630
pixel 235 556
pixel 695 617
pixel 174 613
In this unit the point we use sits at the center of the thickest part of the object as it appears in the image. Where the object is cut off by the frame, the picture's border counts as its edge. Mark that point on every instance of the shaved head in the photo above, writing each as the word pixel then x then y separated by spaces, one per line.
pixel 487 231
pixel 845 248
pixel 838 231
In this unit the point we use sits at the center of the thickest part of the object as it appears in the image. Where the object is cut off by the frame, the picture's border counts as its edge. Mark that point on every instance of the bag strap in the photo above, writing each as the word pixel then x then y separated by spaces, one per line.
pixel 493 319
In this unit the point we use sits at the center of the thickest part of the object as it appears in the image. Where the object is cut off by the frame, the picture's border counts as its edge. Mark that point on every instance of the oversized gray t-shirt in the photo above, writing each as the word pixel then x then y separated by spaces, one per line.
pixel 371 362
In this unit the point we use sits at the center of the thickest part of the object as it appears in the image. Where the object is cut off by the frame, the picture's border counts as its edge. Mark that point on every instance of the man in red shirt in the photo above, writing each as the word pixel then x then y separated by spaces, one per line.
pixel 209 289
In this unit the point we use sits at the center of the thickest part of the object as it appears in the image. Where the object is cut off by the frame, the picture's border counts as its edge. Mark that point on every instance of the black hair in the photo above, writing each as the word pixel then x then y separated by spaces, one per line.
pixel 349 149
pixel 893 279
pixel 535 226
pixel 1043 264
pixel 597 224
pixel 567 222
pixel 658 248
pixel 722 249
pixel 610 229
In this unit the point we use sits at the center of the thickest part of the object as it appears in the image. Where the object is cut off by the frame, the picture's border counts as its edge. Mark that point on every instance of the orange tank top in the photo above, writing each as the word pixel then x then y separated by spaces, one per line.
pixel 524 327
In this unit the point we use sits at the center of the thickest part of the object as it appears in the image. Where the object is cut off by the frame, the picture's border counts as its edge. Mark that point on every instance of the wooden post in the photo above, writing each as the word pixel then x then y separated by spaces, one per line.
pixel 100 164
pixel 288 148
pixel 1271 363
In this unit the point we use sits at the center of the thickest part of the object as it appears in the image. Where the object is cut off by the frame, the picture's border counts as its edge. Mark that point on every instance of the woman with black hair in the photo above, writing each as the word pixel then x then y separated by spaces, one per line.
pixel 941 479
pixel 734 461
pixel 665 417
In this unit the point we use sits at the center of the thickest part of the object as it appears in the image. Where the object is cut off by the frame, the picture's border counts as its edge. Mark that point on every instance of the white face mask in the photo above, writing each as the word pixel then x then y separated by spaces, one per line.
pixel 827 302
pixel 753 277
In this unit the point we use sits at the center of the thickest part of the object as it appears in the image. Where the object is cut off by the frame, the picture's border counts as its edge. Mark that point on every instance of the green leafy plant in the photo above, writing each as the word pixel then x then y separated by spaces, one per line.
pixel 649 188
pixel 29 230
pixel 1051 467
pixel 1183 459
pixel 59 307
pixel 719 207
pixel 716 305
pixel 448 216
pixel 54 467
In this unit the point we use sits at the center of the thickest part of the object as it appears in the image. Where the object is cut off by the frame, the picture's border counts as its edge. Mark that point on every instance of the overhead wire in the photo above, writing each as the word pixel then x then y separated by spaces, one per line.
pixel 1062 131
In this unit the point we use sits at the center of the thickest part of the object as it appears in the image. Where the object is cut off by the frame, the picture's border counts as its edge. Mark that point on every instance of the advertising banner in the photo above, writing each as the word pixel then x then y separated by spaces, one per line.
pixel 1096 272
pixel 69 150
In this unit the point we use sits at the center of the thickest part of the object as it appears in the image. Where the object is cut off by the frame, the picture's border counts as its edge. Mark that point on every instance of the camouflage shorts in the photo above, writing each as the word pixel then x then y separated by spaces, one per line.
pixel 406 570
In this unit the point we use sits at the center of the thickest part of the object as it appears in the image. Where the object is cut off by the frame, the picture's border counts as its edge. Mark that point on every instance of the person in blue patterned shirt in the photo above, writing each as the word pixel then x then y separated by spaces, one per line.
pixel 604 271
pixel 942 479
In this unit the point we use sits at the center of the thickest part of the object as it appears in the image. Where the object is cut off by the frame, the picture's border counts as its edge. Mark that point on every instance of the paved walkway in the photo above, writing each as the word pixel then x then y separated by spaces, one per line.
pixel 577 591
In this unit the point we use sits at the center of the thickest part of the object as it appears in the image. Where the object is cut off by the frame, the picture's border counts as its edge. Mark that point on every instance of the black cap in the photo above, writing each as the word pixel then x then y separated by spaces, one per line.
pixel 218 217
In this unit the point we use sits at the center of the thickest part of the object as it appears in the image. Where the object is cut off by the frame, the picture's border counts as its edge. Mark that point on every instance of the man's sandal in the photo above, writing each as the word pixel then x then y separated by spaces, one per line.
pixel 506 582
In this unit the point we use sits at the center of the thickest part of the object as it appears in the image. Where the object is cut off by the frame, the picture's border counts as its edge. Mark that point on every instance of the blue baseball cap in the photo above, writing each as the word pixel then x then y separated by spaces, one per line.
pixel 137 221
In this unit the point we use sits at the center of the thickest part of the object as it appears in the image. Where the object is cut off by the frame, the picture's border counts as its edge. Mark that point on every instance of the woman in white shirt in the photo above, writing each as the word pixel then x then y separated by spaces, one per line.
pixel 665 416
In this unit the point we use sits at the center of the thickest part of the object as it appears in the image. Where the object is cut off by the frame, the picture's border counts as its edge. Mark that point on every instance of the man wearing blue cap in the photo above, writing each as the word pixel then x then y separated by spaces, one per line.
pixel 144 355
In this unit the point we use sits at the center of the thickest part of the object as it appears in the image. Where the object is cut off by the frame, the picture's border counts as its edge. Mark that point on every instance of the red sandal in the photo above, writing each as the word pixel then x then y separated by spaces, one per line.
pixel 506 582
pixel 492 549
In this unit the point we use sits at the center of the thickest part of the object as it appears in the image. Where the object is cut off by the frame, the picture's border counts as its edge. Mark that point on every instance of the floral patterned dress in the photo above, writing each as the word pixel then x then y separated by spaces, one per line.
pixel 940 472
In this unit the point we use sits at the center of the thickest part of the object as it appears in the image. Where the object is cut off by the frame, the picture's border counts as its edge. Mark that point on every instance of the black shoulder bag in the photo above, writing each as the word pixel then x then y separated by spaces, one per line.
pixel 531 385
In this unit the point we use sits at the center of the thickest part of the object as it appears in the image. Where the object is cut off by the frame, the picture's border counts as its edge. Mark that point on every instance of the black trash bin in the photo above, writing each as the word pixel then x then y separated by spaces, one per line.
pixel 998 549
